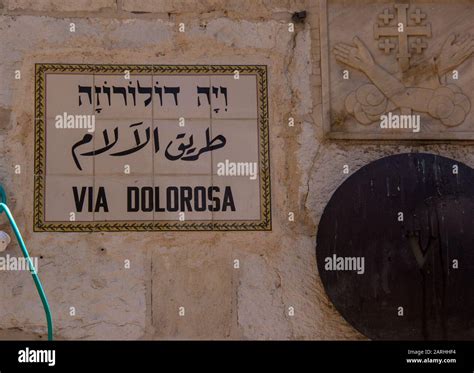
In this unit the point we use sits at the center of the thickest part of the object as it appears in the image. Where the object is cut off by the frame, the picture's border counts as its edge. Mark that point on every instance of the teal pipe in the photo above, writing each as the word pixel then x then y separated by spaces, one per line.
pixel 39 286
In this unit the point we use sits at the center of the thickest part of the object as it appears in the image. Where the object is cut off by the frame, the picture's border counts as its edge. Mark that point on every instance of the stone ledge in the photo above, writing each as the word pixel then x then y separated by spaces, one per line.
pixel 244 7
pixel 60 5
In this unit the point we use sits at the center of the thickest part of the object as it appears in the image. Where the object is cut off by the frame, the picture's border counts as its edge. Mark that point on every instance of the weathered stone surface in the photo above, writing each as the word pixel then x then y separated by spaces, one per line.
pixel 247 8
pixel 5 115
pixel 192 292
pixel 61 5
pixel 277 269
pixel 111 301
pixel 260 301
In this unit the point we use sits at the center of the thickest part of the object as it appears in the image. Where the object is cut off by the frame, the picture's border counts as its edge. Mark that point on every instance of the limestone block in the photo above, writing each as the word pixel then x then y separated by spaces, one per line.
pixel 261 311
pixel 192 292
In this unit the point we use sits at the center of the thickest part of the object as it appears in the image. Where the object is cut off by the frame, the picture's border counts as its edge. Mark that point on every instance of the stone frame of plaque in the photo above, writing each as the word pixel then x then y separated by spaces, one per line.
pixel 262 223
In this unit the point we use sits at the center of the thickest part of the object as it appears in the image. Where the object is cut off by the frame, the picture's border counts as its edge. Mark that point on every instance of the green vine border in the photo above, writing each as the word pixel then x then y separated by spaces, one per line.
pixel 264 224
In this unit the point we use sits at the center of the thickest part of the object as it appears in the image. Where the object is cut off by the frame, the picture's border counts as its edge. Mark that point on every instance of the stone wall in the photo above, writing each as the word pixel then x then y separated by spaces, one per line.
pixel 180 269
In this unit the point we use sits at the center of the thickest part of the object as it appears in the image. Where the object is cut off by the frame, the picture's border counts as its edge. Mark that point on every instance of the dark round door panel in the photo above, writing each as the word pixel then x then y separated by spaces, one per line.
pixel 395 248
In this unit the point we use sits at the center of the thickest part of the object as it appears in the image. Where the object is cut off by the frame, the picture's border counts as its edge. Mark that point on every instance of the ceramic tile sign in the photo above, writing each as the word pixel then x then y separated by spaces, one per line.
pixel 151 148
pixel 401 70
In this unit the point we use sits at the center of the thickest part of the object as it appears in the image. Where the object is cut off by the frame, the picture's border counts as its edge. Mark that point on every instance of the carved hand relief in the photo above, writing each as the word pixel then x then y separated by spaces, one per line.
pixel 399 72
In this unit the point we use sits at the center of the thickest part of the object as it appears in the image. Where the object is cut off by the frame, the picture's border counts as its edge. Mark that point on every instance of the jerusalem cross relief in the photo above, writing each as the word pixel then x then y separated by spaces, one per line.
pixel 397 70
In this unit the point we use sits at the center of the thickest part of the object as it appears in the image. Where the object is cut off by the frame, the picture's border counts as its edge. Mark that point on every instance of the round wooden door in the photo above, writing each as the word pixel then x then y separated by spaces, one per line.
pixel 395 248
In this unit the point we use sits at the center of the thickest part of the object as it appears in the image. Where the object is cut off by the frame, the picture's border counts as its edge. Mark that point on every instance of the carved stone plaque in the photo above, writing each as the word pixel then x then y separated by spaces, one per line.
pixel 395 248
pixel 397 70
pixel 151 147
